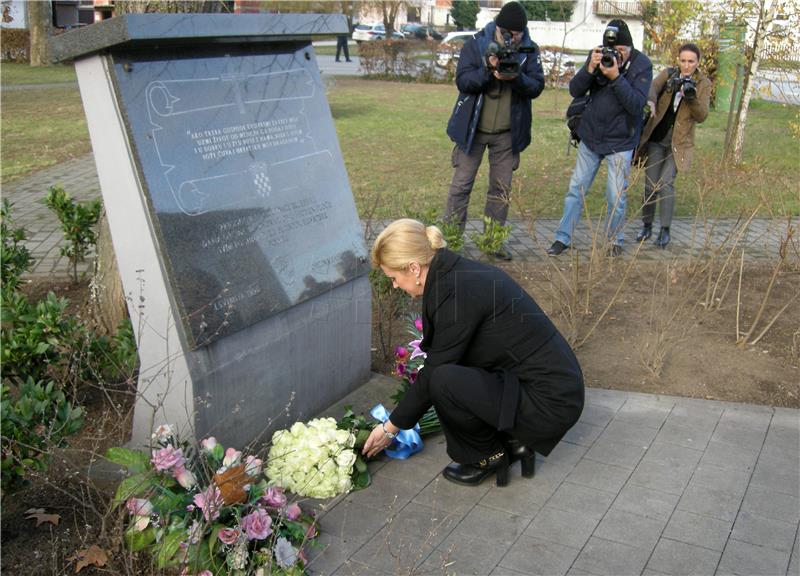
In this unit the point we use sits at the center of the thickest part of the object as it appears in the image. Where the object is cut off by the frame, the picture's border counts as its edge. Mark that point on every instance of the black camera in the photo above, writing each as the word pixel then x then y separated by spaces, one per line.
pixel 689 86
pixel 610 54
pixel 507 56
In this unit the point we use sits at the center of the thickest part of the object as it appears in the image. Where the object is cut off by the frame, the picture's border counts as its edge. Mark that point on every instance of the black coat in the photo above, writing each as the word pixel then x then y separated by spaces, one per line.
pixel 472 80
pixel 614 115
pixel 475 315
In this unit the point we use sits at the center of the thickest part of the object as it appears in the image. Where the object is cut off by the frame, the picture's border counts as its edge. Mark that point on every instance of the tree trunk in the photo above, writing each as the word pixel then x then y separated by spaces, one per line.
pixel 766 17
pixel 39 24
pixel 108 298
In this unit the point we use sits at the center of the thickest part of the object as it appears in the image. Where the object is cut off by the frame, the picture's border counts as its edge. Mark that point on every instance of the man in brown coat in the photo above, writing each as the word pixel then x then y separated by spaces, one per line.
pixel 679 97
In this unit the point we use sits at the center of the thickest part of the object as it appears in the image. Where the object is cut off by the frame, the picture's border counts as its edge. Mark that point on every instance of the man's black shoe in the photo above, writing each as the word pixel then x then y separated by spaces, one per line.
pixel 663 238
pixel 557 248
pixel 645 233
pixel 503 254
pixel 614 251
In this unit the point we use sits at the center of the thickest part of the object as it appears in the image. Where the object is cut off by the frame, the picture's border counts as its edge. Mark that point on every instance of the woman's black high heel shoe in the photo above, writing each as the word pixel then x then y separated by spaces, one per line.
pixel 474 474
pixel 527 457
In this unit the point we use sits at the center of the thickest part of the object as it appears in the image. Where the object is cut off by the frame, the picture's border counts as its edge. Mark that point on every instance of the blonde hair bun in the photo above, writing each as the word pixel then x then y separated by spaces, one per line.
pixel 405 241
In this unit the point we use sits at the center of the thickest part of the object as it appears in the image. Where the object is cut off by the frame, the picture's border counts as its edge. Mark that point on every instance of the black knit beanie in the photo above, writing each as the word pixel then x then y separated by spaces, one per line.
pixel 512 17
pixel 624 37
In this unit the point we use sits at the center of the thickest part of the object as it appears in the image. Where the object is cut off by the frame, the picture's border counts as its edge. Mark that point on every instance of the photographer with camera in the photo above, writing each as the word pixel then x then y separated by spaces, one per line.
pixel 617 79
pixel 499 73
pixel 679 99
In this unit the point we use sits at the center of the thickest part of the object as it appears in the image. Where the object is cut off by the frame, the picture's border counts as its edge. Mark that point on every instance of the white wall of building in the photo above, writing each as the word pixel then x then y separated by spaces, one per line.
pixel 582 33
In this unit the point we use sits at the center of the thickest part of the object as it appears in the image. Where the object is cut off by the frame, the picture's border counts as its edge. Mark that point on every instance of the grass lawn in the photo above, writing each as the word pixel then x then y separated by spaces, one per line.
pixel 11 74
pixel 41 127
pixel 397 154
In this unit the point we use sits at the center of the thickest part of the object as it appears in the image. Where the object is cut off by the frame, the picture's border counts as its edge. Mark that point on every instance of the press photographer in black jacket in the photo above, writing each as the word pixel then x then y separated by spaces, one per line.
pixel 503 380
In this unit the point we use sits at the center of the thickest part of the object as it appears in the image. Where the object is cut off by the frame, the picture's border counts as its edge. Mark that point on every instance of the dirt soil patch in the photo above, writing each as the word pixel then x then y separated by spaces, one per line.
pixel 668 330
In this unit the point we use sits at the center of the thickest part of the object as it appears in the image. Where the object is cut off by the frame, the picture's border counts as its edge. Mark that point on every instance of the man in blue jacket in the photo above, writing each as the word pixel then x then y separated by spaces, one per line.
pixel 609 129
pixel 493 111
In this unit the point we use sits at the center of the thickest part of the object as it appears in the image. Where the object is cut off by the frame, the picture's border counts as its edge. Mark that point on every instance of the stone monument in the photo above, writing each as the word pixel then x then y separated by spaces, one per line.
pixel 234 226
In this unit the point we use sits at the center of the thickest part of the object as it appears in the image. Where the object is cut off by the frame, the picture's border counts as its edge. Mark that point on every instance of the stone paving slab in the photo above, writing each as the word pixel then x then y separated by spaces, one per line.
pixel 676 507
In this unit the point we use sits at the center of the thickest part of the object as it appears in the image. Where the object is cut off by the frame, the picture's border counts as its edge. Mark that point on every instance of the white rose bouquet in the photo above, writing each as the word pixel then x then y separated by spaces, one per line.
pixel 317 459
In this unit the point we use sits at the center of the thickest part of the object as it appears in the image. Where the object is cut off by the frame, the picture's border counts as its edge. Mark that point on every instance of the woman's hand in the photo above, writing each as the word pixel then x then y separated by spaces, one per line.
pixel 377 442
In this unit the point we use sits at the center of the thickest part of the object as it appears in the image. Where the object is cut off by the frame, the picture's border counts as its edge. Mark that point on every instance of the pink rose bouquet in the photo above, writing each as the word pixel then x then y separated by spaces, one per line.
pixel 204 510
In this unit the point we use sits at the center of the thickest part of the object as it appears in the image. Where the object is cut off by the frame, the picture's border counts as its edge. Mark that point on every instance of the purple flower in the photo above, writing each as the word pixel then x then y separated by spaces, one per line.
pixel 210 502
pixel 274 497
pixel 293 511
pixel 418 324
pixel 412 376
pixel 400 352
pixel 168 457
pixel 416 352
pixel 400 368
pixel 257 524
pixel 228 535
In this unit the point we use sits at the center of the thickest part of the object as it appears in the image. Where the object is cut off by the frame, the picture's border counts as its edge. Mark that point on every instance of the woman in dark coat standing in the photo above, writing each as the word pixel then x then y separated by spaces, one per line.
pixel 503 380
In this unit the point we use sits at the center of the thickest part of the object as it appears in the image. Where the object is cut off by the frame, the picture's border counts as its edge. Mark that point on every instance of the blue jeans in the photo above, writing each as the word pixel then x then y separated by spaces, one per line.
pixel 586 166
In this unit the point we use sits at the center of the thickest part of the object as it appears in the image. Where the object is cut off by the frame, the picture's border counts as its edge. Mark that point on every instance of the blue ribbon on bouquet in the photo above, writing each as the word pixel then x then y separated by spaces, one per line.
pixel 406 443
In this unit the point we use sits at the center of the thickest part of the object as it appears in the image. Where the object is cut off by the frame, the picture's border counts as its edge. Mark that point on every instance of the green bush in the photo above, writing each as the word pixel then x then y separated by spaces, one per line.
pixel 42 341
pixel 493 237
pixel 34 419
pixel 38 338
pixel 15 259
pixel 77 220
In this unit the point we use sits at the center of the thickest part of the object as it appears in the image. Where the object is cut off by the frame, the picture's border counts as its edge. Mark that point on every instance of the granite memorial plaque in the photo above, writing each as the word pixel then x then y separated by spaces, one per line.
pixel 237 154
pixel 234 227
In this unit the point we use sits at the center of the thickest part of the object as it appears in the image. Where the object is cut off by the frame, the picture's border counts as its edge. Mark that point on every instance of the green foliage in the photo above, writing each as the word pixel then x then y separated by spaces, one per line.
pixel 77 220
pixel 452 232
pixel 663 22
pixel 35 419
pixel 493 237
pixel 42 341
pixel 453 235
pixel 359 427
pixel 465 13
pixel 37 339
pixel 553 10
pixel 15 259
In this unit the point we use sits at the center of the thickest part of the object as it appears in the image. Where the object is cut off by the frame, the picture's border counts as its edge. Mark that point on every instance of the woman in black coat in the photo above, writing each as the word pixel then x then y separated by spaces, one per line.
pixel 503 380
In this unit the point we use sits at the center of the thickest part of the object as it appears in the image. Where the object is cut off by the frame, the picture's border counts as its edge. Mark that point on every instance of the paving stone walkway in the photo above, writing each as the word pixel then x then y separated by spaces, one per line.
pixel 643 484
pixel 760 238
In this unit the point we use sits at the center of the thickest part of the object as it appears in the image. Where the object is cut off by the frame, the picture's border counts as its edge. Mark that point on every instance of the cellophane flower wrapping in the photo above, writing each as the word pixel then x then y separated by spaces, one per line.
pixel 409 360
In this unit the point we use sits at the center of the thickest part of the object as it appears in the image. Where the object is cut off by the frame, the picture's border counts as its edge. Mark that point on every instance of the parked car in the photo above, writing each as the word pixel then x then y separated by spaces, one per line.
pixel 370 32
pixel 451 46
pixel 417 31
